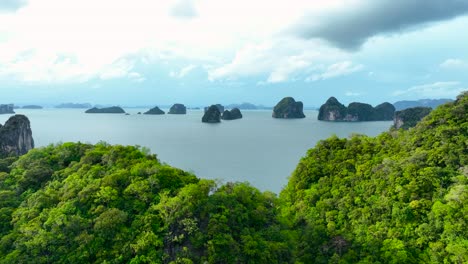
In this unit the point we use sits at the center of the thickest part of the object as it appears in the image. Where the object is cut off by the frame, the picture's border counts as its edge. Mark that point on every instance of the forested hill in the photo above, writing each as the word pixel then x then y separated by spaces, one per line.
pixel 401 197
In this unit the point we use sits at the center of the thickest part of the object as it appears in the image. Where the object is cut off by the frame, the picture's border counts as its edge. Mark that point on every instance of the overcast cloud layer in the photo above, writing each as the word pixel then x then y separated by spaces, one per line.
pixel 198 52
pixel 351 25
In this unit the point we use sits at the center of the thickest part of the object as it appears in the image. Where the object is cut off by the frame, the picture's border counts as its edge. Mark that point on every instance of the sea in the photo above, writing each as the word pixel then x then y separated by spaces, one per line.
pixel 258 149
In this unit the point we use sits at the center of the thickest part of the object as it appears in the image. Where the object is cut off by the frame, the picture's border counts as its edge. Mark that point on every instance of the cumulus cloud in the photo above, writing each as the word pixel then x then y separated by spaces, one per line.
pixel 280 60
pixel 336 70
pixel 349 93
pixel 184 9
pixel 11 5
pixel 433 90
pixel 183 72
pixel 454 64
pixel 349 26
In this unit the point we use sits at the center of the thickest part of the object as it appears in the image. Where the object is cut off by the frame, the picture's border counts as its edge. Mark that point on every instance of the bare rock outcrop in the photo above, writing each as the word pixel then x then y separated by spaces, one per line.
pixel 16 136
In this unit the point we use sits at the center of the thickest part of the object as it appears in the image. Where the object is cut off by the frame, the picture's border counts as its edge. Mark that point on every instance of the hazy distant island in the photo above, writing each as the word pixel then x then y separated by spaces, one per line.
pixel 212 114
pixel 32 107
pixel 233 114
pixel 333 110
pixel 410 117
pixel 432 103
pixel 106 110
pixel 74 105
pixel 178 109
pixel 7 109
pixel 154 111
pixel 288 108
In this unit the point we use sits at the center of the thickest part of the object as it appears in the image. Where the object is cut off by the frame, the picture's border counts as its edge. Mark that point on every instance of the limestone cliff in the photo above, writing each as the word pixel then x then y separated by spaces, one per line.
pixel 16 136
pixel 288 108
pixel 410 117
pixel 333 110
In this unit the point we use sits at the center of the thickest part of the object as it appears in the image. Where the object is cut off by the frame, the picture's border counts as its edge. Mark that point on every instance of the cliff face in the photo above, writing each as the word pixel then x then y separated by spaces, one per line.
pixel 212 115
pixel 288 108
pixel 16 136
pixel 410 117
pixel 333 110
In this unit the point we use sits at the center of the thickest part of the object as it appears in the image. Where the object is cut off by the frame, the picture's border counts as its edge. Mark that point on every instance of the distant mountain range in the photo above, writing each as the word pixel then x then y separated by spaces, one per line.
pixel 74 105
pixel 432 103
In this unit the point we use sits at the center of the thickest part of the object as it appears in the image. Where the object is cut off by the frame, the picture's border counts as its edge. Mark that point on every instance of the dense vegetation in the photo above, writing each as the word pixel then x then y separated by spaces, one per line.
pixel 401 197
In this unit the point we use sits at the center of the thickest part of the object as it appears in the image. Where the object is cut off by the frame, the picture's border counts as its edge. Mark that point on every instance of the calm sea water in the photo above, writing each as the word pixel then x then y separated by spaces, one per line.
pixel 258 149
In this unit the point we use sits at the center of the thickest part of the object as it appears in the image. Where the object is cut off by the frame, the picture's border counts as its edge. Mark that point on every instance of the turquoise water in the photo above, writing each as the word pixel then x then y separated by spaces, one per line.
pixel 258 149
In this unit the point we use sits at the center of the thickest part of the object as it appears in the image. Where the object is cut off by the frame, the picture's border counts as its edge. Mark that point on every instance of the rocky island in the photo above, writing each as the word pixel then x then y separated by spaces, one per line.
pixel 106 110
pixel 219 106
pixel 288 108
pixel 178 109
pixel 212 115
pixel 333 110
pixel 16 136
pixel 154 111
pixel 6 109
pixel 410 117
pixel 235 113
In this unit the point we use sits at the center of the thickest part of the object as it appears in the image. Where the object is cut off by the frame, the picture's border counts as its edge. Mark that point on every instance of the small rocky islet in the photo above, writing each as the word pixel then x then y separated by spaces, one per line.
pixel 178 109
pixel 212 115
pixel 232 114
pixel 288 108
pixel 154 111
pixel 106 110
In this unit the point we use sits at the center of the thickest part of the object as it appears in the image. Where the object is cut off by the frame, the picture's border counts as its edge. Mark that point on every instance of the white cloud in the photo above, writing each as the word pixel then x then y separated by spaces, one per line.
pixel 433 90
pixel 183 72
pixel 291 65
pixel 454 64
pixel 137 77
pixel 352 93
pixel 96 34
pixel 336 70
pixel 279 59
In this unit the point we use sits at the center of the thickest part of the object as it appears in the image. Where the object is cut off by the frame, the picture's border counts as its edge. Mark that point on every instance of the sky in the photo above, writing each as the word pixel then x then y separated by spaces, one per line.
pixel 200 52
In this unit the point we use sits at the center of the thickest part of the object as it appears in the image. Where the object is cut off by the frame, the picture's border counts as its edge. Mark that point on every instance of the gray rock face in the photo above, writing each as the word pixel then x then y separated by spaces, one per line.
pixel 212 115
pixel 235 113
pixel 410 117
pixel 154 111
pixel 333 110
pixel 288 108
pixel 178 109
pixel 16 136
pixel 6 109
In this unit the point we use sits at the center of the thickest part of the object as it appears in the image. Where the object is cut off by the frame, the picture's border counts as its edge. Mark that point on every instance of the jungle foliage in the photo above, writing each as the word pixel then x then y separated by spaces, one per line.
pixel 401 197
